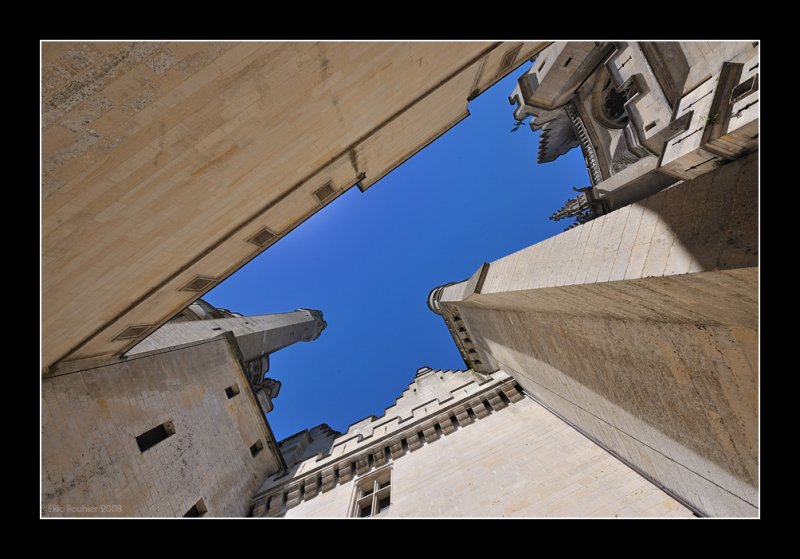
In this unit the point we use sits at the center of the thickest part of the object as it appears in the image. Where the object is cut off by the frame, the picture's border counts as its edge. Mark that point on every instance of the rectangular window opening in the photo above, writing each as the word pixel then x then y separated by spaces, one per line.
pixel 257 447
pixel 650 126
pixel 373 494
pixel 542 66
pixel 150 438
pixel 384 503
pixel 197 510
pixel 567 62
pixel 232 391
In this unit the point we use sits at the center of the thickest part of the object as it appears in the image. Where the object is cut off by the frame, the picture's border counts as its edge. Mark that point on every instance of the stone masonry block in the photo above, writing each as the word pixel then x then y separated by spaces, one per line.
pixel 396 450
pixel 446 424
pixel 275 504
pixel 512 392
pixel 413 442
pixel 293 497
pixel 462 416
pixel 430 433
pixel 380 457
pixel 311 487
pixel 478 407
pixel 362 465
pixel 328 479
pixel 345 472
pixel 496 402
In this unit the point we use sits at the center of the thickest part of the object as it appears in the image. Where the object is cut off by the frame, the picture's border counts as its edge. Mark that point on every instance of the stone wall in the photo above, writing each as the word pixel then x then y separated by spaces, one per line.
pixel 93 466
pixel 167 166
pixel 520 461
pixel 640 327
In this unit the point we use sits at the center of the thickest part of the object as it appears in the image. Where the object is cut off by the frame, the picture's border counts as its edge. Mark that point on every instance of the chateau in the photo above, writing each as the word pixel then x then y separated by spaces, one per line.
pixel 610 370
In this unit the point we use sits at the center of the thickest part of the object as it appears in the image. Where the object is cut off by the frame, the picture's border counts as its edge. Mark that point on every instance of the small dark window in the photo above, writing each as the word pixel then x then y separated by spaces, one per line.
pixel 232 391
pixel 650 126
pixel 198 509
pixel 155 435
pixel 567 62
pixel 383 504
pixel 257 447
pixel 365 511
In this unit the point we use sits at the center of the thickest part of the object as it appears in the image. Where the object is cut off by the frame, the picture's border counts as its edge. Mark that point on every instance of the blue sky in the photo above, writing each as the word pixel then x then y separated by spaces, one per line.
pixel 368 261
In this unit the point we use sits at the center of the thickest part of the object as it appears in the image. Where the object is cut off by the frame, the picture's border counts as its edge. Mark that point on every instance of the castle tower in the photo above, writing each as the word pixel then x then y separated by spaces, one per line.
pixel 177 426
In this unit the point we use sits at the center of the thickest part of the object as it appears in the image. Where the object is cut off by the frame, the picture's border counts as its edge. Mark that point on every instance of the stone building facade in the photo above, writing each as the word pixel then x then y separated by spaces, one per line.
pixel 640 325
pixel 176 427
pixel 646 115
pixel 457 444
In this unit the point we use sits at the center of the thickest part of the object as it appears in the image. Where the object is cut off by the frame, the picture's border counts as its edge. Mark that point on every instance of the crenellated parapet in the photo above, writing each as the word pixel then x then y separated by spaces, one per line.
pixel 435 405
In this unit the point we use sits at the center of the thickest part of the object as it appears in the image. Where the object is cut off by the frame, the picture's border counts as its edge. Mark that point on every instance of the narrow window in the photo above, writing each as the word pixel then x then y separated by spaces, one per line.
pixel 650 126
pixel 155 435
pixel 198 509
pixel 232 391
pixel 567 62
pixel 383 504
pixel 257 447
